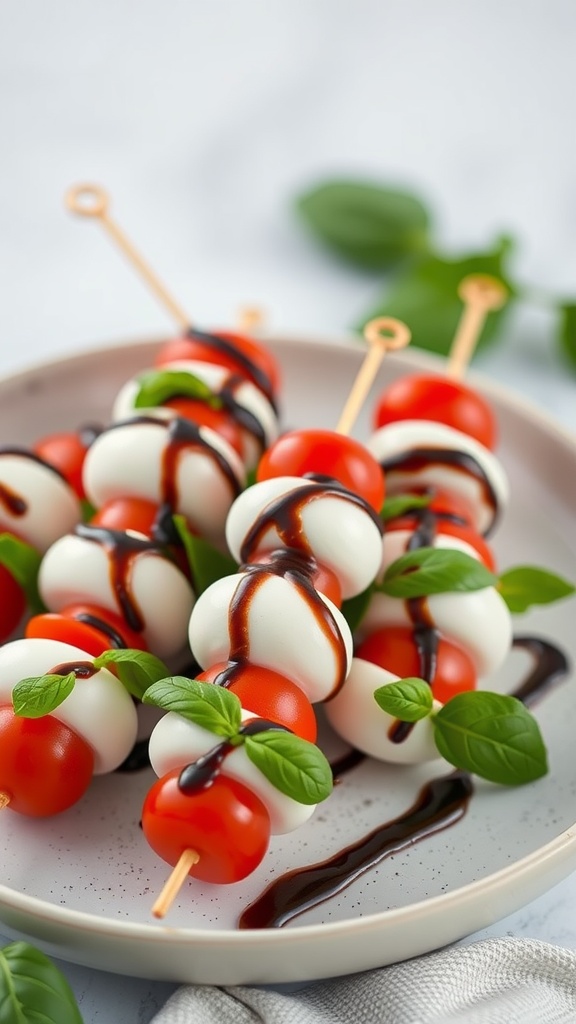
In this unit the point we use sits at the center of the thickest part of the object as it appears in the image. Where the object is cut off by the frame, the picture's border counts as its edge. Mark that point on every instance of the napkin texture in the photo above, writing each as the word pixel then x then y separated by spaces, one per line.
pixel 498 981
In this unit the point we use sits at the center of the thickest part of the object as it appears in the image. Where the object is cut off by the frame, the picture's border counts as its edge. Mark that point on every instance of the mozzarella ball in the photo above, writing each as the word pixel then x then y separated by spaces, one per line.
pixel 98 709
pixel 337 529
pixel 421 453
pixel 356 717
pixel 193 470
pixel 177 742
pixel 77 569
pixel 36 503
pixel 269 620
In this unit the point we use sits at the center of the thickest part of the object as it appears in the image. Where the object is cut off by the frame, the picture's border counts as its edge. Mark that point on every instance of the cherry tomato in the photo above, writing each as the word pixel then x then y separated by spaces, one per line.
pixel 270 695
pixel 89 627
pixel 429 397
pixel 201 413
pixel 327 453
pixel 138 514
pixel 224 822
pixel 45 767
pixel 254 361
pixel 323 579
pixel 394 648
pixel 66 452
pixel 12 603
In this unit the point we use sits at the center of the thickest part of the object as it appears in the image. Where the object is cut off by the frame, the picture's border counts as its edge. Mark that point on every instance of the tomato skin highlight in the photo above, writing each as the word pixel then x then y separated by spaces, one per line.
pixel 271 696
pixel 394 648
pixel 327 453
pixel 45 767
pixel 430 397
pixel 12 603
pixel 224 822
pixel 66 452
pixel 199 348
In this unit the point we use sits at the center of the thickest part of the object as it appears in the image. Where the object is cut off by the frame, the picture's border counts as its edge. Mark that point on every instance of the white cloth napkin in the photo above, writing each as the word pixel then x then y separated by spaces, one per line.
pixel 498 981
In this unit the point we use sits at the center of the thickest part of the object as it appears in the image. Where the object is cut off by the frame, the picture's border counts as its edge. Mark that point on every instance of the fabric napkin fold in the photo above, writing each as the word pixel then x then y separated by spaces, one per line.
pixel 496 981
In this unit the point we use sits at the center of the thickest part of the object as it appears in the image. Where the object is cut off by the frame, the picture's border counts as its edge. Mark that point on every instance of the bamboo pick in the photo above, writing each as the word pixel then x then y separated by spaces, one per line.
pixel 481 294
pixel 384 334
pixel 175 881
pixel 4 800
pixel 93 201
pixel 251 320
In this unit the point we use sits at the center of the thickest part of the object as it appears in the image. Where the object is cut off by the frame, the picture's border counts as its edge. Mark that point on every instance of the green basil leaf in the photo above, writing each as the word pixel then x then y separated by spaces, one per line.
pixel 364 223
pixel 492 735
pixel 425 296
pixel 402 504
pixel 409 699
pixel 157 386
pixel 434 571
pixel 526 585
pixel 23 563
pixel 294 766
pixel 135 669
pixel 567 331
pixel 212 707
pixel 33 990
pixel 88 510
pixel 39 695
pixel 354 608
pixel 206 563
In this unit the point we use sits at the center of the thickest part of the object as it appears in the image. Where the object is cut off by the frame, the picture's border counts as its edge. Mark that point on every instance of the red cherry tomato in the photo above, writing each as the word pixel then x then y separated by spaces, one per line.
pixel 12 603
pixel 393 648
pixel 429 397
pixel 66 452
pixel 224 822
pixel 45 767
pixel 323 579
pixel 270 695
pixel 123 514
pixel 203 414
pixel 89 627
pixel 253 360
pixel 325 452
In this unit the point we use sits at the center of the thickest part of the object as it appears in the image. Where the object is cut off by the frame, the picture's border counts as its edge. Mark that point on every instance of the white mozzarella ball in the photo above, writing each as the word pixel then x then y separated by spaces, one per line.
pixel 177 742
pixel 398 441
pixel 245 394
pixel 355 715
pixel 99 709
pixel 76 569
pixel 133 459
pixel 48 507
pixel 279 629
pixel 341 534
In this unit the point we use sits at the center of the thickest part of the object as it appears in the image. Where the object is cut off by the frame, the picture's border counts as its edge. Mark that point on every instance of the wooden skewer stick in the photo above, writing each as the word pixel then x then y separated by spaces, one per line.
pixel 4 800
pixel 481 294
pixel 251 320
pixel 93 201
pixel 187 860
pixel 384 334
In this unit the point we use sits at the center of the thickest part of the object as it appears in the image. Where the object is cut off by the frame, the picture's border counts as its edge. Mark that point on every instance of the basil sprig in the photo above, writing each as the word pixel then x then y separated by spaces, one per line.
pixel 23 563
pixel 33 989
pixel 294 766
pixel 206 563
pixel 40 695
pixel 526 585
pixel 157 386
pixel 492 735
pixel 403 504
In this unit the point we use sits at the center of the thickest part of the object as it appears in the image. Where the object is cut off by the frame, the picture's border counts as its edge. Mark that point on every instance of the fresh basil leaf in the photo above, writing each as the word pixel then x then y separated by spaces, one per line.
pixel 364 223
pixel 425 296
pixel 402 504
pixel 492 735
pixel 434 571
pixel 206 563
pixel 23 563
pixel 157 386
pixel 88 510
pixel 354 608
pixel 135 669
pixel 33 990
pixel 526 585
pixel 294 766
pixel 212 707
pixel 39 695
pixel 409 699
pixel 567 331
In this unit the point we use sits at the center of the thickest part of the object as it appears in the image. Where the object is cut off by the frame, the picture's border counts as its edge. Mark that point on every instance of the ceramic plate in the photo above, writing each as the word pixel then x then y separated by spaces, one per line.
pixel 81 885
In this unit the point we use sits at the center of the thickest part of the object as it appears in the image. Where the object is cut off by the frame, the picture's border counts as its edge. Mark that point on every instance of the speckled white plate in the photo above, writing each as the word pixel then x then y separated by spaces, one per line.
pixel 81 885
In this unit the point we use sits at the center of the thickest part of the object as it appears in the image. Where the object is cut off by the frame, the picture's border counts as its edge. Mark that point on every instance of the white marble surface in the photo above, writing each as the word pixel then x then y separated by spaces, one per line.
pixel 205 119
